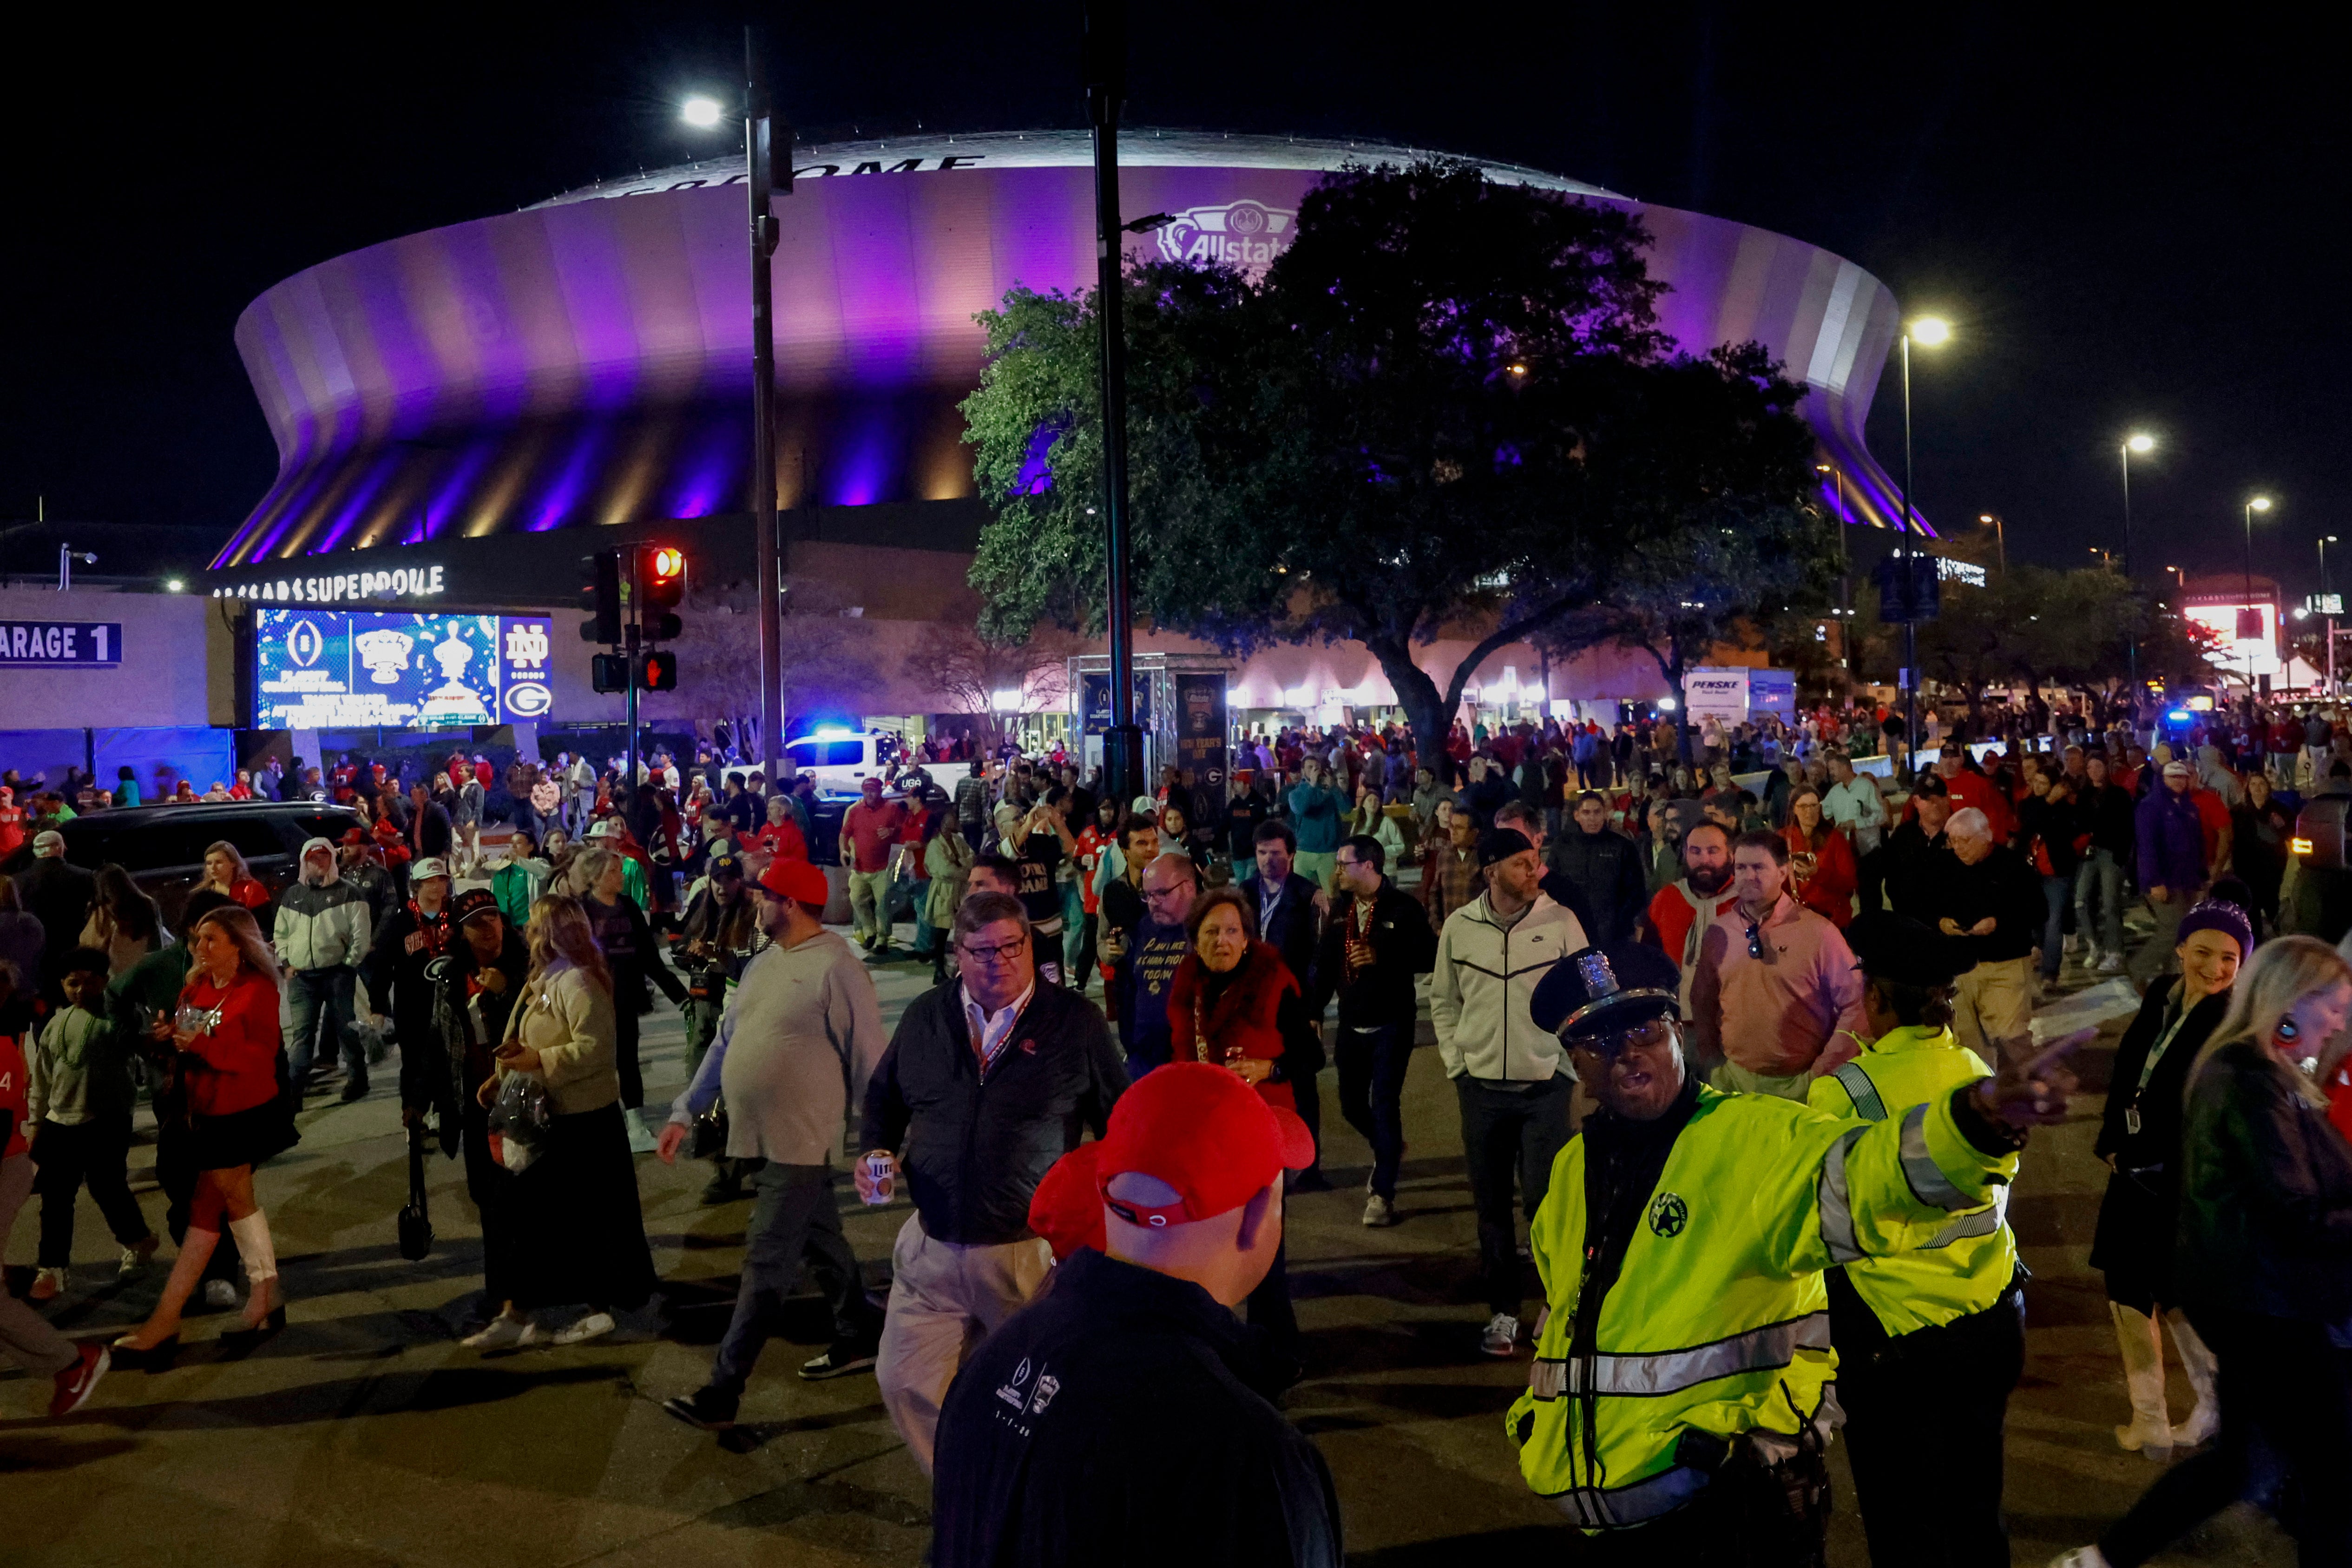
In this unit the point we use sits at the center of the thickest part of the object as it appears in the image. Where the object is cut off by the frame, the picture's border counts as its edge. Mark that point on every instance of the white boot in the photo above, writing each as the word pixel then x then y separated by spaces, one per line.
pixel 2198 1361
pixel 259 1256
pixel 2143 1349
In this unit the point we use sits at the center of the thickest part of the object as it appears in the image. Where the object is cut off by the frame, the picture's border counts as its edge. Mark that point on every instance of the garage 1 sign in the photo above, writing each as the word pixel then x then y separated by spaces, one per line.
pixel 60 644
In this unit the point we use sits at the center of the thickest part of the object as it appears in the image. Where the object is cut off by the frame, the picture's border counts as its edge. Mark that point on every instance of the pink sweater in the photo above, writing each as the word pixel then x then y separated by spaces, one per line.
pixel 1786 1013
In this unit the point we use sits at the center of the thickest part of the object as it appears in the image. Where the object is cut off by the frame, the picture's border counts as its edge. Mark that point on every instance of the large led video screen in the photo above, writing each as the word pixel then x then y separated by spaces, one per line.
pixel 326 669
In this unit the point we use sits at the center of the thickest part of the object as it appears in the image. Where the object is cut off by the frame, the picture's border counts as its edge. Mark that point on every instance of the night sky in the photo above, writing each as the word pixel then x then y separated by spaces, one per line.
pixel 2129 232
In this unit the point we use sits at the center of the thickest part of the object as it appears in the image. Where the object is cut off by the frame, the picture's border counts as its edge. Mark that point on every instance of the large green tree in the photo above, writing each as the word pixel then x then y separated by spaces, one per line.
pixel 1445 411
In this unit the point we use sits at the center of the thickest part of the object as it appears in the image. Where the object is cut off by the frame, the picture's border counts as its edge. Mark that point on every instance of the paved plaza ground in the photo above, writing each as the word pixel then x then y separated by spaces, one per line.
pixel 365 1435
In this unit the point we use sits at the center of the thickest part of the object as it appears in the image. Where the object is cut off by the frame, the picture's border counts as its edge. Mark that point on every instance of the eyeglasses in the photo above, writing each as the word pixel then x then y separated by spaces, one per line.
pixel 1003 953
pixel 1184 890
pixel 1658 1031
pixel 1755 942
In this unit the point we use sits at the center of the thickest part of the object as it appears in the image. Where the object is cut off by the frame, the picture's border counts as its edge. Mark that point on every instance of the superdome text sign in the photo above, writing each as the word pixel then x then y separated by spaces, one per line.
pixel 316 669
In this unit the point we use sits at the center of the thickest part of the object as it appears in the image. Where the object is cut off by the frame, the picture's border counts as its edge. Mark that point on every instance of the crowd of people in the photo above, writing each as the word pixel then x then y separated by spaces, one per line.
pixel 1741 1047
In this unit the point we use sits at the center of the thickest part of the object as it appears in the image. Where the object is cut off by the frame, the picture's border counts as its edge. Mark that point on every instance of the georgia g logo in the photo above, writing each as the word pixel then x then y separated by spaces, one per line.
pixel 1668 1214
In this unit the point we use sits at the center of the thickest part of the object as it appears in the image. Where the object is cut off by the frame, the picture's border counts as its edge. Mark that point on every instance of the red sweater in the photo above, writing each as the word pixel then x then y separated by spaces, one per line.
pixel 236 1062
pixel 1247 1013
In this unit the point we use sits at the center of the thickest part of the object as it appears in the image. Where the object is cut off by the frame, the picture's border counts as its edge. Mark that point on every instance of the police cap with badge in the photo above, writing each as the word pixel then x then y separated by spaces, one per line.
pixel 1591 998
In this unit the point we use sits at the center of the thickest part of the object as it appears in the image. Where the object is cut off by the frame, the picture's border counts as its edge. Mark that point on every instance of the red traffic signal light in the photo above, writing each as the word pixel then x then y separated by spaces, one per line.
pixel 661 583
pixel 658 671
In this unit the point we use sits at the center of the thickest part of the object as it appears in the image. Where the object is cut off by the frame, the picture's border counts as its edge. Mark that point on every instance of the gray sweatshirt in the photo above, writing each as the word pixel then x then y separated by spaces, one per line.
pixel 802 1034
pixel 76 1073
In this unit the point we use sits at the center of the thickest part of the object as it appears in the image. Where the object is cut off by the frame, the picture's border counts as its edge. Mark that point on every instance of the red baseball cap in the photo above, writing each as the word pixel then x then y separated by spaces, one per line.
pixel 1195 1126
pixel 797 880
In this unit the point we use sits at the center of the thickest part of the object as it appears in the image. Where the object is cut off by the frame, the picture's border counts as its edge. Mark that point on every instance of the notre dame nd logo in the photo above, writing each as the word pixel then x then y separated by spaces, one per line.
pixel 1668 1213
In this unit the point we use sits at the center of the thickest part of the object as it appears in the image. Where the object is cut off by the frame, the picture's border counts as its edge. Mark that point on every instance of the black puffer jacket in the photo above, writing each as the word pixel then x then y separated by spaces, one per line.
pixel 975 1148
pixel 2266 1194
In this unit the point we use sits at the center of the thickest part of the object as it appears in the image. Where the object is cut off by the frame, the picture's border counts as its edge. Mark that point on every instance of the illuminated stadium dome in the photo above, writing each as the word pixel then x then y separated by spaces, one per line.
pixel 586 361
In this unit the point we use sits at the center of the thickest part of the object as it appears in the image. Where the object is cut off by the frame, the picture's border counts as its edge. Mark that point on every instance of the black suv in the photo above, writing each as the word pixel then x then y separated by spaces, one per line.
pixel 162 847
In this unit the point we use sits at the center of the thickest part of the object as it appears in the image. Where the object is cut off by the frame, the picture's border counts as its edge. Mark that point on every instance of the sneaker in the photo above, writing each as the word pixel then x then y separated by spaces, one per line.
pixel 501 1333
pixel 220 1293
pixel 722 1190
pixel 839 1359
pixel 705 1408
pixel 641 1137
pixel 595 1325
pixel 1501 1338
pixel 355 1089
pixel 77 1382
pixel 2072 945
pixel 47 1285
pixel 135 1258
pixel 2110 963
pixel 881 954
pixel 1378 1211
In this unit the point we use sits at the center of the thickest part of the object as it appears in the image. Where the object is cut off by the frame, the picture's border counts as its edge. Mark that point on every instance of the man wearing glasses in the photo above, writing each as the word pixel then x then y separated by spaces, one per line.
pixel 986 1083
pixel 1145 956
pixel 1775 999
pixel 1377 940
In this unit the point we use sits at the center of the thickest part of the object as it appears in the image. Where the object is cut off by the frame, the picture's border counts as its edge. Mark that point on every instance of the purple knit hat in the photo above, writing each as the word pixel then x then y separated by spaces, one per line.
pixel 2219 915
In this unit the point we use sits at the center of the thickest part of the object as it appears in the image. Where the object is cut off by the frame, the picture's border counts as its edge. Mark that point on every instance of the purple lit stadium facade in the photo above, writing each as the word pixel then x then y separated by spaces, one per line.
pixel 445 400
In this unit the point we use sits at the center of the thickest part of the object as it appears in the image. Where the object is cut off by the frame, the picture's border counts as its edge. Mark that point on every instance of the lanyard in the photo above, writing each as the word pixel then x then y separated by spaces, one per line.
pixel 2148 1069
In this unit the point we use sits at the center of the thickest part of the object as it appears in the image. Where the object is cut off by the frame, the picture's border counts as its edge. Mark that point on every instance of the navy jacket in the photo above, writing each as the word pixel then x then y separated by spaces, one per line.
pixel 1122 1417
pixel 974 1149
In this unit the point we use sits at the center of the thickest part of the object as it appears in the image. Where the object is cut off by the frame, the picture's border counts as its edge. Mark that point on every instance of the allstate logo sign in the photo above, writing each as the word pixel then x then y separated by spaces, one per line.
pixel 1245 235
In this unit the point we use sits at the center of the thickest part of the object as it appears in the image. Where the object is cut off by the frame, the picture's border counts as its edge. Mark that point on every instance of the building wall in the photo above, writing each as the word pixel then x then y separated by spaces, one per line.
pixel 178 664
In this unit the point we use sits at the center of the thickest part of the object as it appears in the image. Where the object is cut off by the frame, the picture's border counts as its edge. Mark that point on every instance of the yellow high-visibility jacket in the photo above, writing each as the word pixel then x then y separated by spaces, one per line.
pixel 1719 1321
pixel 1973 1258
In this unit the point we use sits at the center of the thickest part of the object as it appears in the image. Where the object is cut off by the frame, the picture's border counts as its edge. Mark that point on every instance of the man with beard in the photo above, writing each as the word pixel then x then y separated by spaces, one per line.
pixel 721 930
pixel 322 934
pixel 1680 913
pixel 1676 1411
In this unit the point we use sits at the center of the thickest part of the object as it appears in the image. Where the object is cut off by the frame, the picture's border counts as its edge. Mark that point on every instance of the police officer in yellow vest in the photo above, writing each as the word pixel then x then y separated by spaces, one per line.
pixel 1929 1343
pixel 1678 1409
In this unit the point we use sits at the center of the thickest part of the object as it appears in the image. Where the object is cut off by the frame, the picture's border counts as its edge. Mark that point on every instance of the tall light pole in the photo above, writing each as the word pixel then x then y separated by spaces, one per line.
pixel 2141 442
pixel 761 144
pixel 2256 504
pixel 1104 60
pixel 1845 582
pixel 2001 536
pixel 1931 331
pixel 2330 617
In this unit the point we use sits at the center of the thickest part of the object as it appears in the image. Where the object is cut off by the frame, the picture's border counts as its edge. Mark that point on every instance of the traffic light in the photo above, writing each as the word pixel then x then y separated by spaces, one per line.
pixel 658 671
pixel 610 672
pixel 661 583
pixel 601 597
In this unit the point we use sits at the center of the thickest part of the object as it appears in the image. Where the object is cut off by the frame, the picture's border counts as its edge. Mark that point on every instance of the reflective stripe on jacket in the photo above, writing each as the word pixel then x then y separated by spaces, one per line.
pixel 1971 1259
pixel 1718 1320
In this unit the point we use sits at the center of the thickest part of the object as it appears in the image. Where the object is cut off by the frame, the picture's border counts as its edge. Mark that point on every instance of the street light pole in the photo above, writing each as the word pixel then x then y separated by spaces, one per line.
pixel 2258 503
pixel 2001 536
pixel 2131 443
pixel 1105 62
pixel 759 153
pixel 2324 542
pixel 1845 585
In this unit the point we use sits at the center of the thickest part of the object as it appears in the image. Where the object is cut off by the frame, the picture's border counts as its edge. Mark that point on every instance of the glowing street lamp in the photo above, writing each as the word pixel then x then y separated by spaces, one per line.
pixel 1931 331
pixel 2254 503
pixel 702 113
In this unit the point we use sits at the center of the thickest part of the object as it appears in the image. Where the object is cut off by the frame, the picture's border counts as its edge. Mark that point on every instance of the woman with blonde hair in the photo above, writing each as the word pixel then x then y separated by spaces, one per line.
pixel 231 1069
pixel 575 1229
pixel 2262 1261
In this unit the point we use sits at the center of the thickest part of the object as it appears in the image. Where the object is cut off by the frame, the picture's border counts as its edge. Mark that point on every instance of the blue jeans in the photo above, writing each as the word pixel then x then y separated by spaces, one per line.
pixel 2101 875
pixel 309 993
pixel 2055 890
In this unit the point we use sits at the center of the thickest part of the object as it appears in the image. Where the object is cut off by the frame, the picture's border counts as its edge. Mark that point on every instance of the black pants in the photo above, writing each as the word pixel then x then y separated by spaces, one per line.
pixel 1269 1308
pixel 1871 881
pixel 625 1056
pixel 1747 1518
pixel 91 1152
pixel 1372 1065
pixel 2284 1390
pixel 794 1219
pixel 1506 1133
pixel 1933 1404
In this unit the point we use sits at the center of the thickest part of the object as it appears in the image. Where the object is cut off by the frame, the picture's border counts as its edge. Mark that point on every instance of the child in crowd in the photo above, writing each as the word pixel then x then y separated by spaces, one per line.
pixel 79 1098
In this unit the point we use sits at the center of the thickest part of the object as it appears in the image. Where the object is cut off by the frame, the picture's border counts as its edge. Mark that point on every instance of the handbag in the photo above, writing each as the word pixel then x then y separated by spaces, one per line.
pixel 416 1221
pixel 706 1139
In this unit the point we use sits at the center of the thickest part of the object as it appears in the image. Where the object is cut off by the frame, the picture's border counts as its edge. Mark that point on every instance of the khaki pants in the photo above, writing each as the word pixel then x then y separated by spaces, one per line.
pixel 1733 1079
pixel 1993 1002
pixel 944 1299
pixel 869 905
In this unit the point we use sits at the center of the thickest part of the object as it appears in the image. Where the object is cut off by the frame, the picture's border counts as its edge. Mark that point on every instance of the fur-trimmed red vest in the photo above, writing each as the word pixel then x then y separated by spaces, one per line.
pixel 1245 1014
